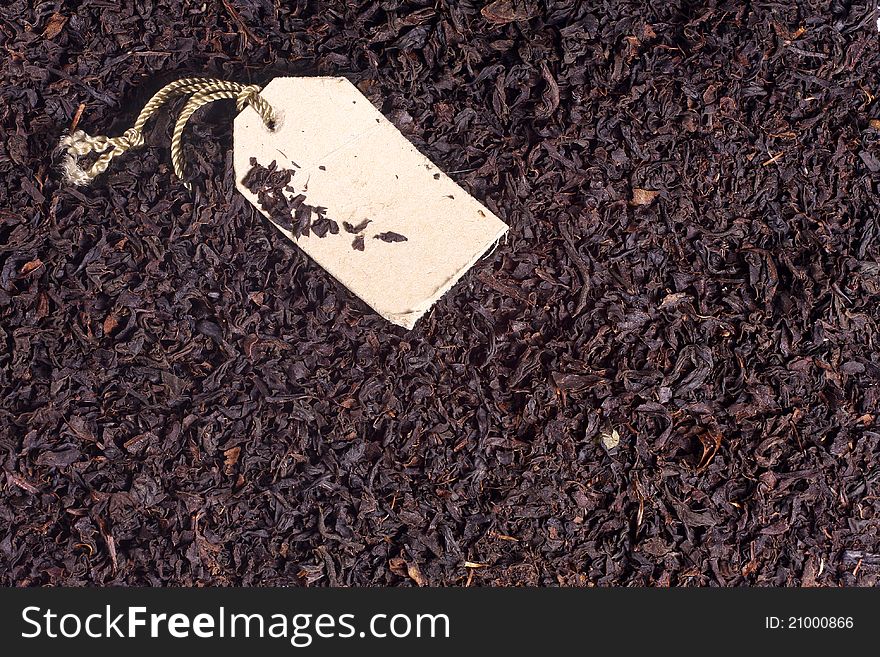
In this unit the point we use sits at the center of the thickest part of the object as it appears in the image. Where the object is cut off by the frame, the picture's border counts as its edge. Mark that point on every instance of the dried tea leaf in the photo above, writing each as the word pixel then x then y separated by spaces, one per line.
pixel 42 306
pixel 710 441
pixel 60 458
pixel 55 25
pixel 28 267
pixel 610 439
pixel 230 459
pixel 643 196
pixel 673 300
pixel 508 11
pixel 390 237
pixel 353 229
pixel 397 565
pixel 656 547
pixel 415 574
pixel 110 323
pixel 22 483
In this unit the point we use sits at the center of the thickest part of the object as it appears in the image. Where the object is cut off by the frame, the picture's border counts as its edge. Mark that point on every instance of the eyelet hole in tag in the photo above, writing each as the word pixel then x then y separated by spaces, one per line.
pixel 275 124
pixel 404 231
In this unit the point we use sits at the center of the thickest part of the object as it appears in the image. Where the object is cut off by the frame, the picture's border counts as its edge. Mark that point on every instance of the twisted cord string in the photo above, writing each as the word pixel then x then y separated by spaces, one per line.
pixel 201 91
pixel 249 95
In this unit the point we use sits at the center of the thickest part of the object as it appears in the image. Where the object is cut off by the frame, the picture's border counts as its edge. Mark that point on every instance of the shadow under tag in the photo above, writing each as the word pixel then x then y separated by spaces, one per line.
pixel 359 199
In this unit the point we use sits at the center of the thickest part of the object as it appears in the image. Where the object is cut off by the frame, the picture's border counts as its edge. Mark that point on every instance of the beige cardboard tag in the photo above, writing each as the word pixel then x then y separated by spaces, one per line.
pixel 404 232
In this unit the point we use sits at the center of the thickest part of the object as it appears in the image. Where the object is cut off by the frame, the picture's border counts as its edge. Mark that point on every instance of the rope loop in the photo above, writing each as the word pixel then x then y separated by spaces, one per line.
pixel 201 91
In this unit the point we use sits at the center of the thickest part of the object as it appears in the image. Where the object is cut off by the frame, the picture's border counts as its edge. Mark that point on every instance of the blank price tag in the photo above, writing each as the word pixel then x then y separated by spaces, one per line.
pixel 337 178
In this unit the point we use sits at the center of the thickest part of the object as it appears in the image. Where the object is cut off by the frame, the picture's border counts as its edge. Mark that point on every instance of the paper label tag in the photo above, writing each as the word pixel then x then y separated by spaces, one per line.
pixel 397 231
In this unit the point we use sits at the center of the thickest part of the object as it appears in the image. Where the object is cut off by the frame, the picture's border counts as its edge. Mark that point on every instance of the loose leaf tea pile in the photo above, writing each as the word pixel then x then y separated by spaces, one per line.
pixel 668 374
pixel 290 211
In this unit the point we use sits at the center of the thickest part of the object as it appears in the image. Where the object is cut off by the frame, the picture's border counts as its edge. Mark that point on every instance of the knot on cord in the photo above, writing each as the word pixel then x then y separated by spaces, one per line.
pixel 80 144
